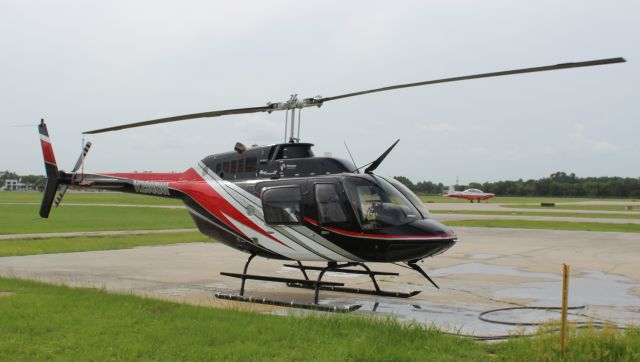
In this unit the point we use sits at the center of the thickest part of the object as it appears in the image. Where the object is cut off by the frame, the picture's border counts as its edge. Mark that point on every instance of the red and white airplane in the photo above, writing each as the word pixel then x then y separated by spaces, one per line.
pixel 470 194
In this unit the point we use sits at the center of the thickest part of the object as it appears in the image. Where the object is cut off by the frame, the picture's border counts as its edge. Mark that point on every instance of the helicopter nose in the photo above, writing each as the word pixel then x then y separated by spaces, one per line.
pixel 431 227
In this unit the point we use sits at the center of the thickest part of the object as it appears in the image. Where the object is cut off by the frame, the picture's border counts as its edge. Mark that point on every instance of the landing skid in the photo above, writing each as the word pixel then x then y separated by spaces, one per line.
pixel 312 284
pixel 318 285
pixel 292 304
pixel 381 293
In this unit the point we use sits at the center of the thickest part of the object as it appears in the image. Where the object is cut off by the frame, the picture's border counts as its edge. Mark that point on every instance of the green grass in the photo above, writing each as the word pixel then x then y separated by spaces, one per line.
pixel 535 213
pixel 548 225
pixel 73 197
pixel 575 207
pixel 587 344
pixel 46 322
pixel 92 243
pixel 18 219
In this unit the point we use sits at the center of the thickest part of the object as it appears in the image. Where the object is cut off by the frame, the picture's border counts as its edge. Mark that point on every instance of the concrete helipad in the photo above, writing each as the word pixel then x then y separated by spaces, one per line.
pixel 488 268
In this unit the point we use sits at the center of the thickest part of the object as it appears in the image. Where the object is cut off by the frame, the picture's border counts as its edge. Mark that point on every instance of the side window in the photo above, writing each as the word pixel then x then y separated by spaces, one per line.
pixel 225 166
pixel 281 206
pixel 232 169
pixel 218 168
pixel 250 165
pixel 241 165
pixel 330 210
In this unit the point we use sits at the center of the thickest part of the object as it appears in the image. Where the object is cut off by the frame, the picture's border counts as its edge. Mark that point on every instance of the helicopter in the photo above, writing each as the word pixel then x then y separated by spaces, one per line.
pixel 282 202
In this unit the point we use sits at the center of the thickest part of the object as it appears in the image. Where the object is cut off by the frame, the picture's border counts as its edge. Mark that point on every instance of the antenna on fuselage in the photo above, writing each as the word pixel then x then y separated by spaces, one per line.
pixel 356 170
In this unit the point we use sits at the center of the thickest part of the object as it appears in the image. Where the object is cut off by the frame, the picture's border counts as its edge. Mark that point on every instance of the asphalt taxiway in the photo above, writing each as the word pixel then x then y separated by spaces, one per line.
pixel 489 268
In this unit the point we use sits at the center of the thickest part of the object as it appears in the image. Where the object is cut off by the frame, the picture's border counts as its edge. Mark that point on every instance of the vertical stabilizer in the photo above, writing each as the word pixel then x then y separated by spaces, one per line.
pixel 51 167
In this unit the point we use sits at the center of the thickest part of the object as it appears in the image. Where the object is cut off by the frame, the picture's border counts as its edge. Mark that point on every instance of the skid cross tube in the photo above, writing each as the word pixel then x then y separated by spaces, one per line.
pixel 331 266
pixel 302 269
pixel 339 268
pixel 346 271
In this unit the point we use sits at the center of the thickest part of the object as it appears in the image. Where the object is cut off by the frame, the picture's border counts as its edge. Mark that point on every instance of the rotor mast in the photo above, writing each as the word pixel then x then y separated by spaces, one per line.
pixel 290 106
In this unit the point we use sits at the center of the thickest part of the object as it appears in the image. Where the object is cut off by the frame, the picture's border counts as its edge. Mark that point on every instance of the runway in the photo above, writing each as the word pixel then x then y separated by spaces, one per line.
pixel 489 268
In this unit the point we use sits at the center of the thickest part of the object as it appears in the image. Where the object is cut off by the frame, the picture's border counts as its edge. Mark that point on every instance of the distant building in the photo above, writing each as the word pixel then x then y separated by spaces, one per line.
pixel 15 185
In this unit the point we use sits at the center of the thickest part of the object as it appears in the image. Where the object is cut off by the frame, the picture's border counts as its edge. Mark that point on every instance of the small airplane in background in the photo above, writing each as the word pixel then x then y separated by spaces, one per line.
pixel 470 194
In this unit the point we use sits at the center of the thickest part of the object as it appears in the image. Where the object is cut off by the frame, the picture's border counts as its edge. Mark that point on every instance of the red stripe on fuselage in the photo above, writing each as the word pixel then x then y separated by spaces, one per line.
pixel 149 176
pixel 198 189
pixel 378 236
pixel 47 152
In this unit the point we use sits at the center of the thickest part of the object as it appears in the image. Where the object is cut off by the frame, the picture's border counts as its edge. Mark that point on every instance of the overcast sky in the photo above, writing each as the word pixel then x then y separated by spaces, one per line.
pixel 84 65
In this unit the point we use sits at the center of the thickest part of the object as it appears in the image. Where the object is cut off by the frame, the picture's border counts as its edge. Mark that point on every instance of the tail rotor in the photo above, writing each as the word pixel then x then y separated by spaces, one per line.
pixel 79 163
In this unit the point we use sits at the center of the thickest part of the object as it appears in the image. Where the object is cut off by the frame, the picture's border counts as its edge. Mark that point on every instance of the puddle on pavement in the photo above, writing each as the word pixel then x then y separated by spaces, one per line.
pixel 607 297
pixel 590 288
pixel 488 269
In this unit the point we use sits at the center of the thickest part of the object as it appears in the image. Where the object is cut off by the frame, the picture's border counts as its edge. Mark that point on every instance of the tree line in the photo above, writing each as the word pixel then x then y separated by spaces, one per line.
pixel 557 184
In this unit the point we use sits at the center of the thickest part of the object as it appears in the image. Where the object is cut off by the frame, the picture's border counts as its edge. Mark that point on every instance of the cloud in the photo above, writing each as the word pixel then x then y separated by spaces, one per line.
pixel 581 142
pixel 439 127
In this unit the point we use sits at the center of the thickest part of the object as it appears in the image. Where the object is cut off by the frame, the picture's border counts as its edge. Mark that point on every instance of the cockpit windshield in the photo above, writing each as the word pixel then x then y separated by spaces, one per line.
pixel 379 205
pixel 415 200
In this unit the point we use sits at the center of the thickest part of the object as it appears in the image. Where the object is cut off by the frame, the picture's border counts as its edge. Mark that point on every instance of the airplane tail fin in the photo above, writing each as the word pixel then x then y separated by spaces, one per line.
pixel 451 189
pixel 51 167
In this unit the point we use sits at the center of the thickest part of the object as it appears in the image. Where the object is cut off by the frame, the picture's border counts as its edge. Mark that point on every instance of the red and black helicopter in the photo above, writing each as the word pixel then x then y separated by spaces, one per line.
pixel 282 202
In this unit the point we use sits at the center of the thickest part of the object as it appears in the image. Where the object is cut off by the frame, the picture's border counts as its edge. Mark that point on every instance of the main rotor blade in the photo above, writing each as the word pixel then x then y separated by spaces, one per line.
pixel 181 118
pixel 483 75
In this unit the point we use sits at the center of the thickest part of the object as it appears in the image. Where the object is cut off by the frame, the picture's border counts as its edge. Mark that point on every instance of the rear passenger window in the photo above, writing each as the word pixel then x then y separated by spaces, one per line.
pixel 232 169
pixel 281 206
pixel 250 165
pixel 241 165
pixel 330 210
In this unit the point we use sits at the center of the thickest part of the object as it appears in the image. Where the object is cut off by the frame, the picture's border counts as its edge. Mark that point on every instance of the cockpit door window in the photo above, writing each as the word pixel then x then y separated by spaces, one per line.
pixel 330 210
pixel 281 205
pixel 379 205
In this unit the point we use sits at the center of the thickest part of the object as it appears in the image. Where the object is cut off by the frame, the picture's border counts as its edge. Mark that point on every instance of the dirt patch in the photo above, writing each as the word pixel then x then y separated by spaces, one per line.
pixel 6 294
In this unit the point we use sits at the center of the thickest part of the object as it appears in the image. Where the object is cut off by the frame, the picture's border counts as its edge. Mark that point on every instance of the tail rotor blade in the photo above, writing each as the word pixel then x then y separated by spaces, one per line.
pixel 79 163
pixel 61 192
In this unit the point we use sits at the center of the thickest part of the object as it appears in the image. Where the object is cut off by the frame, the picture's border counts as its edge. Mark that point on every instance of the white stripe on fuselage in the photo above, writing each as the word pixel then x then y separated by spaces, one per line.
pixel 241 200
pixel 299 254
pixel 291 250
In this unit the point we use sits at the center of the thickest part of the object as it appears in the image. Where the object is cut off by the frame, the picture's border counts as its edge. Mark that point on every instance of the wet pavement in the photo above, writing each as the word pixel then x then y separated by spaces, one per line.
pixel 488 269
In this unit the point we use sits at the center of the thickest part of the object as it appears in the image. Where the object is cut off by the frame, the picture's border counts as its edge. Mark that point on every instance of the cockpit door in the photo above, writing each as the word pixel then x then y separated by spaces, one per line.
pixel 330 207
